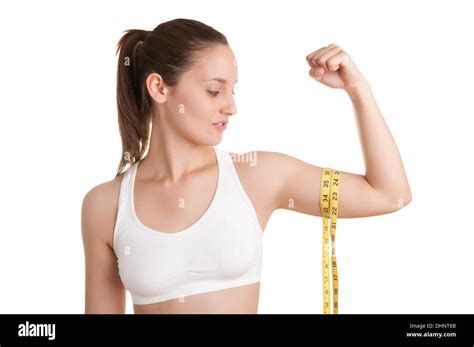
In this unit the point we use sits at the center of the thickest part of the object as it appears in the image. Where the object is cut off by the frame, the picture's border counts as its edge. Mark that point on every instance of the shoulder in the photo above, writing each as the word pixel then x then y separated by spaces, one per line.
pixel 99 210
pixel 272 174
pixel 258 172
pixel 103 192
pixel 269 163
pixel 259 162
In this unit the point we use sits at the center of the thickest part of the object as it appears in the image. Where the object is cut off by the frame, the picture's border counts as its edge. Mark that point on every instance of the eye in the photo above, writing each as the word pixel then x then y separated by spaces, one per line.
pixel 213 93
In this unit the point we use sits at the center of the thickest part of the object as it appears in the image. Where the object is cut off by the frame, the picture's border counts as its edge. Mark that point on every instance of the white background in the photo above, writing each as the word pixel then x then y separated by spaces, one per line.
pixel 59 135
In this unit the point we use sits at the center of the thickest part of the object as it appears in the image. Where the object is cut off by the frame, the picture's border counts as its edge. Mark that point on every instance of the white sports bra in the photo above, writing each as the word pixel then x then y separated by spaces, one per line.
pixel 222 249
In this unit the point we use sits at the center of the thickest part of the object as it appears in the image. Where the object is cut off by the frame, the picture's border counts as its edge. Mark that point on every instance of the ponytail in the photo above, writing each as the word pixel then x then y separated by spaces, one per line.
pixel 133 103
pixel 168 50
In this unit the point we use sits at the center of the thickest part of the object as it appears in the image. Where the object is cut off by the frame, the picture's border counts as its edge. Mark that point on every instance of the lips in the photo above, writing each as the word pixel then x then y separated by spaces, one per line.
pixel 222 123
pixel 220 126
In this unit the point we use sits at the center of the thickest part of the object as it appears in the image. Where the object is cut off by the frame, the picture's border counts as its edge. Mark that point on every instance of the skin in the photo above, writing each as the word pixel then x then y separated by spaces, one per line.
pixel 184 115
pixel 181 164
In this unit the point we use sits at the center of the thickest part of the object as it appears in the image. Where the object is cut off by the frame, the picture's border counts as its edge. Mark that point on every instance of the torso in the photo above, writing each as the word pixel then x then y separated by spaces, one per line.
pixel 153 208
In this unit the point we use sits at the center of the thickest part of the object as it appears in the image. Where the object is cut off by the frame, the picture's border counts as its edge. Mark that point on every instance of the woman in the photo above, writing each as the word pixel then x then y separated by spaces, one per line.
pixel 181 228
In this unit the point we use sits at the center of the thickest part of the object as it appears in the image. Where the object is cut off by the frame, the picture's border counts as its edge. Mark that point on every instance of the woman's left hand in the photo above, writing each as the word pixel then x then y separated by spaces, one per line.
pixel 334 68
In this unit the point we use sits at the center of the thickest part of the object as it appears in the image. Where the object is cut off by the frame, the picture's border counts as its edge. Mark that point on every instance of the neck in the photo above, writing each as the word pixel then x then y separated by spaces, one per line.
pixel 171 158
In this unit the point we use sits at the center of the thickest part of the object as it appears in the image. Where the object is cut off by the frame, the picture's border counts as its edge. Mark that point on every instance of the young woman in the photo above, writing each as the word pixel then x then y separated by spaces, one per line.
pixel 181 228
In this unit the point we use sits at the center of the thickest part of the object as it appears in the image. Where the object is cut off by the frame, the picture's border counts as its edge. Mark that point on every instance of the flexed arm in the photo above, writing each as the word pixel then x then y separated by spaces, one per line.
pixel 293 184
pixel 333 67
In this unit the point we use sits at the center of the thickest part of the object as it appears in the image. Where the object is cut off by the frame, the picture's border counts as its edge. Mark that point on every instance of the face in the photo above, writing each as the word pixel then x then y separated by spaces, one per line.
pixel 203 96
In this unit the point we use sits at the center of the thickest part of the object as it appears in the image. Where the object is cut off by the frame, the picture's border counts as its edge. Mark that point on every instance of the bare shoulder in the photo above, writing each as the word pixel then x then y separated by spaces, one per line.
pixel 257 162
pixel 105 292
pixel 256 170
pixel 99 207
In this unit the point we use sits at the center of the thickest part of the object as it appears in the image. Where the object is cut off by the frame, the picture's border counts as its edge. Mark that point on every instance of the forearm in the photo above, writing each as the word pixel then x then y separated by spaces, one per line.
pixel 383 163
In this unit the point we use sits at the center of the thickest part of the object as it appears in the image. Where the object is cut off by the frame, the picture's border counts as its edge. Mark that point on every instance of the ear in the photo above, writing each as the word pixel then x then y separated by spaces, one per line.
pixel 156 87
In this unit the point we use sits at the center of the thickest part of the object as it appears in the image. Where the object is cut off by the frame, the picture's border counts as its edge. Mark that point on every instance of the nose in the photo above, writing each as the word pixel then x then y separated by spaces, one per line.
pixel 230 108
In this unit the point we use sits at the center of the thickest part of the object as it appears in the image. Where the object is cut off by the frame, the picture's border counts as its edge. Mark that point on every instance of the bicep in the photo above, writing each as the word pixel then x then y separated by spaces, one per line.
pixel 299 190
pixel 104 291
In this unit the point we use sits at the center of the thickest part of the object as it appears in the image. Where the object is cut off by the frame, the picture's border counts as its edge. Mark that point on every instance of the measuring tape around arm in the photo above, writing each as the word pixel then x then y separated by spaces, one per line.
pixel 328 200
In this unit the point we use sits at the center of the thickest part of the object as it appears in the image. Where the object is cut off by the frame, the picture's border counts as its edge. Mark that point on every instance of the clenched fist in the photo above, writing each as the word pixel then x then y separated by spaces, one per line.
pixel 334 68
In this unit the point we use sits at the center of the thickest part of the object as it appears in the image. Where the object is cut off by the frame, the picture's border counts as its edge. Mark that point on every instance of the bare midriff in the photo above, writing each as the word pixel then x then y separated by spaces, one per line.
pixel 237 300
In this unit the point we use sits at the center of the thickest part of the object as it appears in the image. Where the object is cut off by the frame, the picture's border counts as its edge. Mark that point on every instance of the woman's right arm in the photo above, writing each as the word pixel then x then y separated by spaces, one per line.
pixel 104 290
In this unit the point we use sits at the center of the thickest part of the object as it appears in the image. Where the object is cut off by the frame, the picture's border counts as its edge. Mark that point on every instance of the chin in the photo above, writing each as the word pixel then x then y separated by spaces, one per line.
pixel 201 138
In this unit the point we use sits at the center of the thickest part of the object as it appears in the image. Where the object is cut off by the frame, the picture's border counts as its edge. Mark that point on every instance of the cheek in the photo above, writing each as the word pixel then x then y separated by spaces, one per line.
pixel 196 105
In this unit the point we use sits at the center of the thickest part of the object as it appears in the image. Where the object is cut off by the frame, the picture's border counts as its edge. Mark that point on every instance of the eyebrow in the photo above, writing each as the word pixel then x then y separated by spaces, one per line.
pixel 218 79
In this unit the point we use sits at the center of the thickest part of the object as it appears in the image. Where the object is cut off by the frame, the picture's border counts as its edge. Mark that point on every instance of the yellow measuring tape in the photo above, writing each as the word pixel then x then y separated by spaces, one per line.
pixel 328 200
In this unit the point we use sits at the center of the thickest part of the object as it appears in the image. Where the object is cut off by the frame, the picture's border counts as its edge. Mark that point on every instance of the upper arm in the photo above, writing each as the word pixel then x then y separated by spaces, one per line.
pixel 298 186
pixel 104 291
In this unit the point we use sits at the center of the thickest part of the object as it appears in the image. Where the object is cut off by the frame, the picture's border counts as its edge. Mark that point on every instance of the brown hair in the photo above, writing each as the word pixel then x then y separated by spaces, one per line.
pixel 168 50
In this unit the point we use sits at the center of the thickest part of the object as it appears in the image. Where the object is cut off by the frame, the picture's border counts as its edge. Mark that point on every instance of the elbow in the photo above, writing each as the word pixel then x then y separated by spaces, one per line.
pixel 406 198
pixel 397 201
pixel 403 200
